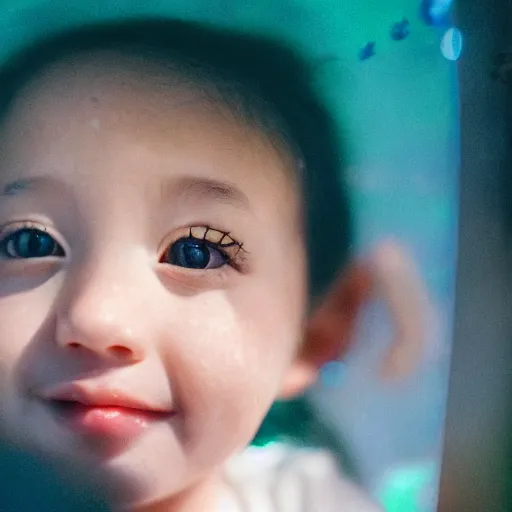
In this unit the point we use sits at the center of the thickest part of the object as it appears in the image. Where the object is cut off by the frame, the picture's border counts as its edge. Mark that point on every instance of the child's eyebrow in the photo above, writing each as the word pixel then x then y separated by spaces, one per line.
pixel 186 188
pixel 207 188
pixel 16 187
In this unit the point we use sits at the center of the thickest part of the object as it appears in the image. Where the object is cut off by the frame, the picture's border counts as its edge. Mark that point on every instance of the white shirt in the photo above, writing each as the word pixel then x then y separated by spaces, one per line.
pixel 282 478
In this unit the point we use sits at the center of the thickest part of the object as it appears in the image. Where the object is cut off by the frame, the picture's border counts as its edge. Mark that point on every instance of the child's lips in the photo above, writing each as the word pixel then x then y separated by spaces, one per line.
pixel 115 422
pixel 108 416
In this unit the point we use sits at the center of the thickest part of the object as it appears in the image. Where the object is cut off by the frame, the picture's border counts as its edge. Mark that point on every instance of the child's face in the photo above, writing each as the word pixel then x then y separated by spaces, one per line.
pixel 104 298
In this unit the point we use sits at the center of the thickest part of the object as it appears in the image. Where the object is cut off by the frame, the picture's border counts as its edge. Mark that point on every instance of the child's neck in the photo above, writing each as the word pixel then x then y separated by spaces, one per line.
pixel 203 497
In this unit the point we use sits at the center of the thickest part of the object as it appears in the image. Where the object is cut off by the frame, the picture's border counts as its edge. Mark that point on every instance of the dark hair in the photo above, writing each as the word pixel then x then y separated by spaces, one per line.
pixel 274 87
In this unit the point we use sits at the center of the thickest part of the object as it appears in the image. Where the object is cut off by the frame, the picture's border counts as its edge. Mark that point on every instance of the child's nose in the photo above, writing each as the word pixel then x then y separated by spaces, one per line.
pixel 107 341
pixel 104 315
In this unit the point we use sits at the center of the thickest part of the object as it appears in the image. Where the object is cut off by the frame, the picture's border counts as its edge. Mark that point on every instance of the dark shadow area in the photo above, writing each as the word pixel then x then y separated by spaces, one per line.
pixel 477 456
pixel 32 484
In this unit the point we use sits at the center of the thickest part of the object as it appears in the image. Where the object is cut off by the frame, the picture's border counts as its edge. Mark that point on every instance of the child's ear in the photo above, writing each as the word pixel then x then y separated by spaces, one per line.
pixel 388 273
pixel 329 328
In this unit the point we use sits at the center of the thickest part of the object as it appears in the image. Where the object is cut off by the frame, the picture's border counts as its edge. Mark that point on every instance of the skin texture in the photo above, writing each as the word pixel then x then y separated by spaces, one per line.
pixel 117 162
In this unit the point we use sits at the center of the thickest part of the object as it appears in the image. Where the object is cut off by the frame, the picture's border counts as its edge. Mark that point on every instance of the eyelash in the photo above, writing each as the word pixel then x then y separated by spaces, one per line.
pixel 237 248
pixel 230 249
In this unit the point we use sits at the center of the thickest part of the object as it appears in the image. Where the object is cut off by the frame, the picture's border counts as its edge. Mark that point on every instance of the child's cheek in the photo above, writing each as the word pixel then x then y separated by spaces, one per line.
pixel 233 352
pixel 25 314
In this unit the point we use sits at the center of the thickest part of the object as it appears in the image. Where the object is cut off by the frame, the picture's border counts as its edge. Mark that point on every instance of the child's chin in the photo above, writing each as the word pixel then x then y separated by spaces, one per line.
pixel 164 496
pixel 139 480
pixel 134 494
pixel 134 481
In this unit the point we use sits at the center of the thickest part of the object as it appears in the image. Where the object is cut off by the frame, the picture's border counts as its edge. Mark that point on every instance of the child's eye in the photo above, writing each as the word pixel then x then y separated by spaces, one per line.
pixel 204 249
pixel 195 254
pixel 28 243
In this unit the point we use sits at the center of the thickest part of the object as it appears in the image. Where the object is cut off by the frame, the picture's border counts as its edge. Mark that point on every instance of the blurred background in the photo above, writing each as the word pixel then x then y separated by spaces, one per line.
pixel 402 104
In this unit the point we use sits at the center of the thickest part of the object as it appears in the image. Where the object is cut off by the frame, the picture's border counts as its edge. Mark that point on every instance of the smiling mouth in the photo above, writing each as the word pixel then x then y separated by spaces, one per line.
pixel 72 407
pixel 105 417
pixel 108 428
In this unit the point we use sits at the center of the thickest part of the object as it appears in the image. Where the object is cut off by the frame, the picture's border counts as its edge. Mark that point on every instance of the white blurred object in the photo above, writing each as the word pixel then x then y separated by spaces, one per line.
pixel 283 478
pixel 451 44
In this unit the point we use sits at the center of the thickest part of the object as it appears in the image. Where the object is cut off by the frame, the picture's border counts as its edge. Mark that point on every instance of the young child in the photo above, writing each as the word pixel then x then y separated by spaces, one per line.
pixel 174 243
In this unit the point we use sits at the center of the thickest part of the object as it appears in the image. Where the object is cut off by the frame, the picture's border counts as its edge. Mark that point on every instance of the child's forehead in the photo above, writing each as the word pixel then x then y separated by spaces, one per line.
pixel 59 110
pixel 103 74
pixel 108 86
pixel 112 91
